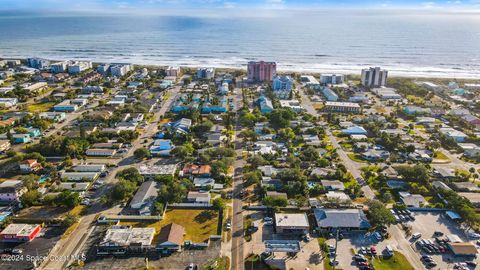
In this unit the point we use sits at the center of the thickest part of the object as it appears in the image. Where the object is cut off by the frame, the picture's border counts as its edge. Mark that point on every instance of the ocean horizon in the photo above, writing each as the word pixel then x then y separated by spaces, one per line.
pixel 413 45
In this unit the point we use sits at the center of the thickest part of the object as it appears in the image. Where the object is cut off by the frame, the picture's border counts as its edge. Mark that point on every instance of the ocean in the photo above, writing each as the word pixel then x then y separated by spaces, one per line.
pixel 406 43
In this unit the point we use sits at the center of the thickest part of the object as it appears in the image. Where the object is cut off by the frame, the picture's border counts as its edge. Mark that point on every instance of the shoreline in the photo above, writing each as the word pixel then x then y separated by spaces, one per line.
pixel 400 71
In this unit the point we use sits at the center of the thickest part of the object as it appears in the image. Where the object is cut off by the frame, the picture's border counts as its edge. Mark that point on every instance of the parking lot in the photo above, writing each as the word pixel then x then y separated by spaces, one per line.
pixel 427 223
pixel 424 223
pixel 30 251
pixel 309 255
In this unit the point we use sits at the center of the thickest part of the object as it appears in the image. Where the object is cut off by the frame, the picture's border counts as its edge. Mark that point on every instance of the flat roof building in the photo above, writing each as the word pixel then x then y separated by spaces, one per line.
pixel 292 223
pixel 348 107
pixel 350 219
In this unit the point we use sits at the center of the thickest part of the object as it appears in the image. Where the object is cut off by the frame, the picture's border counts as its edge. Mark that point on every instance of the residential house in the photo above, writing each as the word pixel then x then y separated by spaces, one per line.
pixel 11 190
pixel 470 150
pixel 199 197
pixel 458 136
pixel 375 155
pixel 412 200
pixel 333 185
pixel 145 196
pixel 29 166
pixel 79 176
pixel 100 152
pixel 194 170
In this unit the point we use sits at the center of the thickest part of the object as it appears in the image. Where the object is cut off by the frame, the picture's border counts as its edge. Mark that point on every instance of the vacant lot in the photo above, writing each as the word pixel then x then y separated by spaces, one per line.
pixel 199 223
pixel 40 107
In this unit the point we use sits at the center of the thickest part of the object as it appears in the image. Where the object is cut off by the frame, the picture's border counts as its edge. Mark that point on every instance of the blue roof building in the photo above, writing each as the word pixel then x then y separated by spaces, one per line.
pixel 161 147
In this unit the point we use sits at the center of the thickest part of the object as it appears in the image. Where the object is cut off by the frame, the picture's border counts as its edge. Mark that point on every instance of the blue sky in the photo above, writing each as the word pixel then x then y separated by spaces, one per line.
pixel 130 5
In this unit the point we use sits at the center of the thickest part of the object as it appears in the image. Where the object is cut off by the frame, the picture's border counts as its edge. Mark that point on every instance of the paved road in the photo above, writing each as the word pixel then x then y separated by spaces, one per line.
pixel 351 165
pixel 237 220
pixel 74 243
pixel 404 246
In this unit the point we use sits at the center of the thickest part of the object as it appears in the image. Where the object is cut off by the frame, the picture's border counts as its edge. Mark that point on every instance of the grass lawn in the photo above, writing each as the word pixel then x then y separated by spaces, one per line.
pixel 222 263
pixel 356 158
pixel 253 262
pixel 440 155
pixel 396 262
pixel 199 223
pixel 40 107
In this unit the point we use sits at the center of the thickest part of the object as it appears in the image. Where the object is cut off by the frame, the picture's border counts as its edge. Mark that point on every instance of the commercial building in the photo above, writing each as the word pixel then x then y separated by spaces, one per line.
pixel 261 71
pixel 54 116
pixel 346 219
pixel 65 106
pixel 348 107
pixel 292 223
pixel 292 104
pixel 151 171
pixel 19 232
pixel 331 79
pixel 374 77
pixel 125 239
pixel 329 94
pixel 205 73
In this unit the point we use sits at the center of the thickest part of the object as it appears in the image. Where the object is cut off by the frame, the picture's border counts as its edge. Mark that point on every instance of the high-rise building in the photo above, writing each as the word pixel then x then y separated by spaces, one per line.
pixel 331 78
pixel 205 73
pixel 261 71
pixel 374 77
pixel 38 63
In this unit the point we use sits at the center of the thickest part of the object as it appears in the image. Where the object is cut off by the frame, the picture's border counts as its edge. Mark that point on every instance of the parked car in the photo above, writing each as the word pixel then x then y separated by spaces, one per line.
pixel 416 235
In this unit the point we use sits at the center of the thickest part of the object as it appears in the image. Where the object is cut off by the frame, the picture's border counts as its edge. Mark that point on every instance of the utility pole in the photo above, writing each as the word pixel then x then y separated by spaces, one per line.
pixel 335 253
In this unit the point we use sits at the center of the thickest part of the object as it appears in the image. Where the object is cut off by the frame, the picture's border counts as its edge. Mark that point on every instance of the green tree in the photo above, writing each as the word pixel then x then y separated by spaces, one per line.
pixel 123 190
pixel 275 201
pixel 30 198
pixel 141 153
pixel 218 204
pixel 379 214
